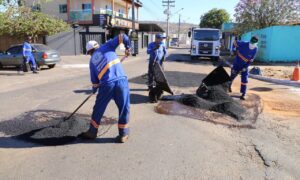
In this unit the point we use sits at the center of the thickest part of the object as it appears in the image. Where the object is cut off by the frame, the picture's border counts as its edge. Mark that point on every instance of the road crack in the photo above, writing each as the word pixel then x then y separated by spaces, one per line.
pixel 261 156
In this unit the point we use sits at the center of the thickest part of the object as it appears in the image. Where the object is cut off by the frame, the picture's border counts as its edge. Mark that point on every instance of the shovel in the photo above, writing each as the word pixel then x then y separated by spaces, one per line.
pixel 86 99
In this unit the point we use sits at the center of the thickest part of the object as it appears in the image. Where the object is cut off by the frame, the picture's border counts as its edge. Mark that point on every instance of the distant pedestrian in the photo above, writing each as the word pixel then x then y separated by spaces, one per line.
pixel 28 56
pixel 110 80
pixel 245 55
pixel 158 52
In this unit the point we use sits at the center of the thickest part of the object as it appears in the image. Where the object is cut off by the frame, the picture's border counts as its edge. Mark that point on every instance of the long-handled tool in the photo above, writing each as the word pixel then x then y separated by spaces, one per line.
pixel 86 99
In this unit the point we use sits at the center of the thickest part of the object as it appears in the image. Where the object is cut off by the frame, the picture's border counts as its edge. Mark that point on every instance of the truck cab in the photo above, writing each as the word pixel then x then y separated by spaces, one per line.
pixel 205 42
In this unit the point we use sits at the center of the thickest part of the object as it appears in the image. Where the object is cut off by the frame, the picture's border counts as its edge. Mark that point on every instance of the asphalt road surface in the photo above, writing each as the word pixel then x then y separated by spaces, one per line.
pixel 160 146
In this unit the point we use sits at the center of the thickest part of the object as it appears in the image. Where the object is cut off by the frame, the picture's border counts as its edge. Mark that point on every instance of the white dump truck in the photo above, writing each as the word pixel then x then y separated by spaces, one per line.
pixel 205 42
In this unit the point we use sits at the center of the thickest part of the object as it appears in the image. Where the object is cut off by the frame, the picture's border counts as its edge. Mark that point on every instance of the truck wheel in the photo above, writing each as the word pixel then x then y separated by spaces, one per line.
pixel 194 57
pixel 51 66
pixel 216 59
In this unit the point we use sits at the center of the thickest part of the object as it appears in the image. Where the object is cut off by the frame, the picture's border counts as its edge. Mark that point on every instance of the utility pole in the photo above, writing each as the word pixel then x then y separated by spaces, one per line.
pixel 179 30
pixel 168 4
pixel 133 33
pixel 133 16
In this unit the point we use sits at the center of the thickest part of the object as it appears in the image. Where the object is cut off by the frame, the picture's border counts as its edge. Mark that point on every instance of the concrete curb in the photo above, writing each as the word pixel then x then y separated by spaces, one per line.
pixel 276 81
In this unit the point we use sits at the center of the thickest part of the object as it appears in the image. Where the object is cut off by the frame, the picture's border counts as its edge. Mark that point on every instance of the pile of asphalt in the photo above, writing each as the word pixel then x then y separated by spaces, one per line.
pixel 215 98
pixel 62 133
pixel 72 128
pixel 195 101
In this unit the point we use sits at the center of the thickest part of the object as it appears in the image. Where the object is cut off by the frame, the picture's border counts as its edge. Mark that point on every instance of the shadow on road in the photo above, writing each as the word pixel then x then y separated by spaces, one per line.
pixel 138 99
pixel 17 132
pixel 261 89
pixel 176 78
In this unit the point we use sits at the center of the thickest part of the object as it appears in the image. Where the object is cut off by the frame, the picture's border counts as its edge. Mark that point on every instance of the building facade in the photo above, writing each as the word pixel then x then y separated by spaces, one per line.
pixel 94 17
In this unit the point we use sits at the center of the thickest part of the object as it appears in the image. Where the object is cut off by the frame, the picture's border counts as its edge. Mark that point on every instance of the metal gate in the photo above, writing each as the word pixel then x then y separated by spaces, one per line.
pixel 88 36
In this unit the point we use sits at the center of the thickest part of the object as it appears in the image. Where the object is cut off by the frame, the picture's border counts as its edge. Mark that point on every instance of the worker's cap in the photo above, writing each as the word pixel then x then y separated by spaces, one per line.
pixel 254 39
pixel 91 45
pixel 159 36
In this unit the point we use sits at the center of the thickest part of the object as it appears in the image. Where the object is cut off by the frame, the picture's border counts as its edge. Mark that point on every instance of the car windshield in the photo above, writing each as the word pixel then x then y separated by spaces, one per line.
pixel 41 47
pixel 206 35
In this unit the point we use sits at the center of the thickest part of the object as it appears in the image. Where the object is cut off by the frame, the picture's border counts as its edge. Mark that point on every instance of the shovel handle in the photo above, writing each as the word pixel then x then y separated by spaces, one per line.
pixel 86 99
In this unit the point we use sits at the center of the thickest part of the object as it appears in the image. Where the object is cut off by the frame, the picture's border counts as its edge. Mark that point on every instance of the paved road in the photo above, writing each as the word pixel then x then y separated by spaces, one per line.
pixel 160 146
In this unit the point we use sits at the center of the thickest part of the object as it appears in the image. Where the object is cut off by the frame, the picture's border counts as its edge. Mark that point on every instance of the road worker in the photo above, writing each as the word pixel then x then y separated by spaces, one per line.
pixel 245 55
pixel 28 56
pixel 109 79
pixel 158 52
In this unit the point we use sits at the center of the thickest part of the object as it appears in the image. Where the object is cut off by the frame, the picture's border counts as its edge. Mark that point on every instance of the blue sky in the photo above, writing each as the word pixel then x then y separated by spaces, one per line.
pixel 191 13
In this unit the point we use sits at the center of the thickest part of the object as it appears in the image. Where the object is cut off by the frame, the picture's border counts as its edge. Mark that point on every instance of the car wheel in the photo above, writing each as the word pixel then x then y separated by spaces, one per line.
pixel 1 65
pixel 38 67
pixel 26 67
pixel 51 66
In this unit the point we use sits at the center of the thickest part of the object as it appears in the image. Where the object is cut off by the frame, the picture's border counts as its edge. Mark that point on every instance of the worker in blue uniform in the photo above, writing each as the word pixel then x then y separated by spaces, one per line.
pixel 158 52
pixel 28 56
pixel 245 55
pixel 109 79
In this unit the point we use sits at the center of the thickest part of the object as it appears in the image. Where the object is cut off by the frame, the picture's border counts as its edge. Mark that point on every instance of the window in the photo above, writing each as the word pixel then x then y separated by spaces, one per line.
pixel 15 50
pixel 86 7
pixel 36 7
pixel 63 8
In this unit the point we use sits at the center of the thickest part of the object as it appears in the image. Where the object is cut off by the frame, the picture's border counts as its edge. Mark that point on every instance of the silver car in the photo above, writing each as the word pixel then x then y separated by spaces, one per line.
pixel 43 56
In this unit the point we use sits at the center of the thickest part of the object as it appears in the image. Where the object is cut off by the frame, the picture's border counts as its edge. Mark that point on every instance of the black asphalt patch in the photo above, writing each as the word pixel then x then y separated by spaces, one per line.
pixel 48 127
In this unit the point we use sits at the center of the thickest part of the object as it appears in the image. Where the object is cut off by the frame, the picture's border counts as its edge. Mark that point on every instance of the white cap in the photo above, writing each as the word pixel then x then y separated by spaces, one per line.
pixel 91 45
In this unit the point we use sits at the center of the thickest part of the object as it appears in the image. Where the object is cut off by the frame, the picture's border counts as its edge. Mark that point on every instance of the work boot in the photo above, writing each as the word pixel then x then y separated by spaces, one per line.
pixel 243 97
pixel 122 139
pixel 87 135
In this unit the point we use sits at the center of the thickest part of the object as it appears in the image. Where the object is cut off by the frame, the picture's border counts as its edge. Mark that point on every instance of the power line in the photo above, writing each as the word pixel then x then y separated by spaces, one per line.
pixel 168 4
pixel 155 4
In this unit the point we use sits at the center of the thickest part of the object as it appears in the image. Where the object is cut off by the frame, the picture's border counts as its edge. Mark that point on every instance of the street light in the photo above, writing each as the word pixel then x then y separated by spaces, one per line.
pixel 74 26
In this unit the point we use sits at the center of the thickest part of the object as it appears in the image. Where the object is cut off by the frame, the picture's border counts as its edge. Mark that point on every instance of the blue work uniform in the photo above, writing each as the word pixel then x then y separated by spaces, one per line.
pixel 107 75
pixel 28 56
pixel 245 56
pixel 156 55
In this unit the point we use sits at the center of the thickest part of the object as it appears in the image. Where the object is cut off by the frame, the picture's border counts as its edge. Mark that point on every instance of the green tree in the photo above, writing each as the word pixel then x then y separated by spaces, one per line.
pixel 214 18
pixel 258 14
pixel 22 22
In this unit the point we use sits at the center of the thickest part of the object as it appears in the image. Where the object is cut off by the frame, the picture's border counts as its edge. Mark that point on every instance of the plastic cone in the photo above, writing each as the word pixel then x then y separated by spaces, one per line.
pixel 296 73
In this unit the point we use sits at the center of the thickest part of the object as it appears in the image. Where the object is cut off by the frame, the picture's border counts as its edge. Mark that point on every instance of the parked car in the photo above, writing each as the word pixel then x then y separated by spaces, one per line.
pixel 44 56
pixel 174 42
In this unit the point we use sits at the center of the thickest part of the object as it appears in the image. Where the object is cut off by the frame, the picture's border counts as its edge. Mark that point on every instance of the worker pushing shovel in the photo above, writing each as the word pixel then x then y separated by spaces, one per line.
pixel 245 55
pixel 109 79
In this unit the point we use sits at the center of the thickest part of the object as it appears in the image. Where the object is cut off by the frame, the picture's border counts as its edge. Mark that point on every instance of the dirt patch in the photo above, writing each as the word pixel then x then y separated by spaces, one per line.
pixel 283 108
pixel 278 72
pixel 253 105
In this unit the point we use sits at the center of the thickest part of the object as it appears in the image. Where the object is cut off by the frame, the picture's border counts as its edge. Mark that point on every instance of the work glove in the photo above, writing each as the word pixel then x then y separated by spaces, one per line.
pixel 127 52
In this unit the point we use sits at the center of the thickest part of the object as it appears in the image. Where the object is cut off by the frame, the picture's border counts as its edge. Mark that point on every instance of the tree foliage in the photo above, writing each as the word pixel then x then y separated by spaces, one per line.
pixel 22 22
pixel 257 14
pixel 214 18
